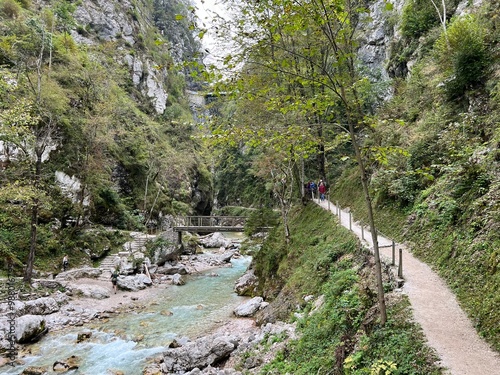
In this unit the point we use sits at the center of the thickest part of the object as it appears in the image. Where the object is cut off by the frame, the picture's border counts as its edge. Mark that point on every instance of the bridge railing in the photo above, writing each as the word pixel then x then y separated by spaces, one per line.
pixel 211 221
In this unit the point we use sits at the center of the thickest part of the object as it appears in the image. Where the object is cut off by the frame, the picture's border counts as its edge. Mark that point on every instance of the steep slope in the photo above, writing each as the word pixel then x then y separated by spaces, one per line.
pixel 325 281
pixel 95 121
pixel 435 308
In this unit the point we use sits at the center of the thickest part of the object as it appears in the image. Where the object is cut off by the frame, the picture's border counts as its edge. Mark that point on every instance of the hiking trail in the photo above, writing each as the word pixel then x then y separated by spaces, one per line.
pixel 435 308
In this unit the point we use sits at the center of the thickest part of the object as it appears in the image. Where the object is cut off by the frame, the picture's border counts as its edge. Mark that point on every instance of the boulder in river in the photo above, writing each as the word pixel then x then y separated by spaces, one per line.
pixel 71 363
pixel 178 280
pixel 34 370
pixel 30 328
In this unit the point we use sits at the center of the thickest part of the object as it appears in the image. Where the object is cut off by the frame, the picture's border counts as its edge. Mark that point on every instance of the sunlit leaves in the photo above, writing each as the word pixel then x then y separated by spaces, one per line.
pixel 383 154
pixel 16 124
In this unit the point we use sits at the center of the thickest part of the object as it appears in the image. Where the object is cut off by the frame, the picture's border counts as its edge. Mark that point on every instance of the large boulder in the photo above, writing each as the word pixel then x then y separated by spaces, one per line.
pixel 250 307
pixel 133 283
pixel 215 260
pixel 166 253
pixel 17 308
pixel 215 240
pixel 246 285
pixel 79 273
pixel 169 269
pixel 40 306
pixel 90 291
pixel 199 354
pixel 30 328
pixel 47 283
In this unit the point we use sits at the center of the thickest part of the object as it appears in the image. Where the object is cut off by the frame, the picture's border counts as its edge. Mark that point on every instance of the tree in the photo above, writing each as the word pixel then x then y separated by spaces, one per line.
pixel 30 125
pixel 307 52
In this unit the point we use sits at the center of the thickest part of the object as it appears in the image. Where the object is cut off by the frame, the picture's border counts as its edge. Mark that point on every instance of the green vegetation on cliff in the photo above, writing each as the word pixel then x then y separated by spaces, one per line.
pixel 95 125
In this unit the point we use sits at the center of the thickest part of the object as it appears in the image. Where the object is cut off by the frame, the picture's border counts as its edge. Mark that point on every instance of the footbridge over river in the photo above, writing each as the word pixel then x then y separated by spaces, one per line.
pixel 210 224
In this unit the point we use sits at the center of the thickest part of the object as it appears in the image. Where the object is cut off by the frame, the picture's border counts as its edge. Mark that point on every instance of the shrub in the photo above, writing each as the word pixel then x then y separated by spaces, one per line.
pixel 462 54
pixel 26 4
pixel 418 17
pixel 10 8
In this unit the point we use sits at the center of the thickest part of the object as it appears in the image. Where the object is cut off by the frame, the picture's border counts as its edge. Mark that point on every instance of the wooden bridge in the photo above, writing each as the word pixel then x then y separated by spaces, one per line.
pixel 210 224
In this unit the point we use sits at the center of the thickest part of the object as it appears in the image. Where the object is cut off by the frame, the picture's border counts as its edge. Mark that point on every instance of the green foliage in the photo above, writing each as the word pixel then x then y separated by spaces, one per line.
pixel 261 218
pixel 26 4
pixel 64 9
pixel 418 17
pixel 463 54
pixel 10 8
pixel 342 336
pixel 235 179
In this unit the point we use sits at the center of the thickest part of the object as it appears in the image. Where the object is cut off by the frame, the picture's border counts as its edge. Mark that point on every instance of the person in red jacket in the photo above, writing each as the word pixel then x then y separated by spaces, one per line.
pixel 322 190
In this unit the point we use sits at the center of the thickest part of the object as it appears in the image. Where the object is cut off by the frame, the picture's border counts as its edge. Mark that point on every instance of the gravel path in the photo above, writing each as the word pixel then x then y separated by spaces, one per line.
pixel 435 308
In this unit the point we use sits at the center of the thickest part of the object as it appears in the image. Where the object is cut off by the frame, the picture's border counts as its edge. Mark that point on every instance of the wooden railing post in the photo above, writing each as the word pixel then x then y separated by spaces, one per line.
pixel 400 268
pixel 393 253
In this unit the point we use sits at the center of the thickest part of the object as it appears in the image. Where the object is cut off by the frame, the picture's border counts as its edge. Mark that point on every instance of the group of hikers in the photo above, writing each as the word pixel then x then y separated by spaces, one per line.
pixel 312 189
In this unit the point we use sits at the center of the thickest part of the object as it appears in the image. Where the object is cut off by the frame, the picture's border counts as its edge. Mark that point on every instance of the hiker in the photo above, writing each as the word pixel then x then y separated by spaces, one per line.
pixel 322 190
pixel 65 262
pixel 313 189
pixel 114 279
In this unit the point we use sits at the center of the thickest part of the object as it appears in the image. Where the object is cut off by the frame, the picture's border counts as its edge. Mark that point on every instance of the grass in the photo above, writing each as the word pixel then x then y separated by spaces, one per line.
pixel 343 336
pixel 464 251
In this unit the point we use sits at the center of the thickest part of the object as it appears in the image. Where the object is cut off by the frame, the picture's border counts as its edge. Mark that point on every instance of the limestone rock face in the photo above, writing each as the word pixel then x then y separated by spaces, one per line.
pixel 149 80
pixel 112 21
pixel 106 19
pixel 377 39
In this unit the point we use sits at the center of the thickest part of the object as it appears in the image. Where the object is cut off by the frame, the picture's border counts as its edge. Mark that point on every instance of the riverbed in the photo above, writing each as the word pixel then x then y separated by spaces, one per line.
pixel 128 341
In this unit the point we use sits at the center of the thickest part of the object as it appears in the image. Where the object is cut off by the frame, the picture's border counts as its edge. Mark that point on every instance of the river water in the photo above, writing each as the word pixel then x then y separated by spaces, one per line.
pixel 126 342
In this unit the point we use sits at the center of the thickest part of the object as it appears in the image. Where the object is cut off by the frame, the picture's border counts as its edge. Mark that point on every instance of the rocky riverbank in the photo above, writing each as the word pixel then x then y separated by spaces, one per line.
pixel 79 296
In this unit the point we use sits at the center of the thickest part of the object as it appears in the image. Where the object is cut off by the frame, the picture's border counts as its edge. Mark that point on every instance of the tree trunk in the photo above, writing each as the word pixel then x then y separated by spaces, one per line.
pixel 33 235
pixel 371 222
pixel 34 221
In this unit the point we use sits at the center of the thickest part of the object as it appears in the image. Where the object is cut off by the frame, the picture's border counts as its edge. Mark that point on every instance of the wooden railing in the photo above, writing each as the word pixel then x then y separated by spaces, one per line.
pixel 210 221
